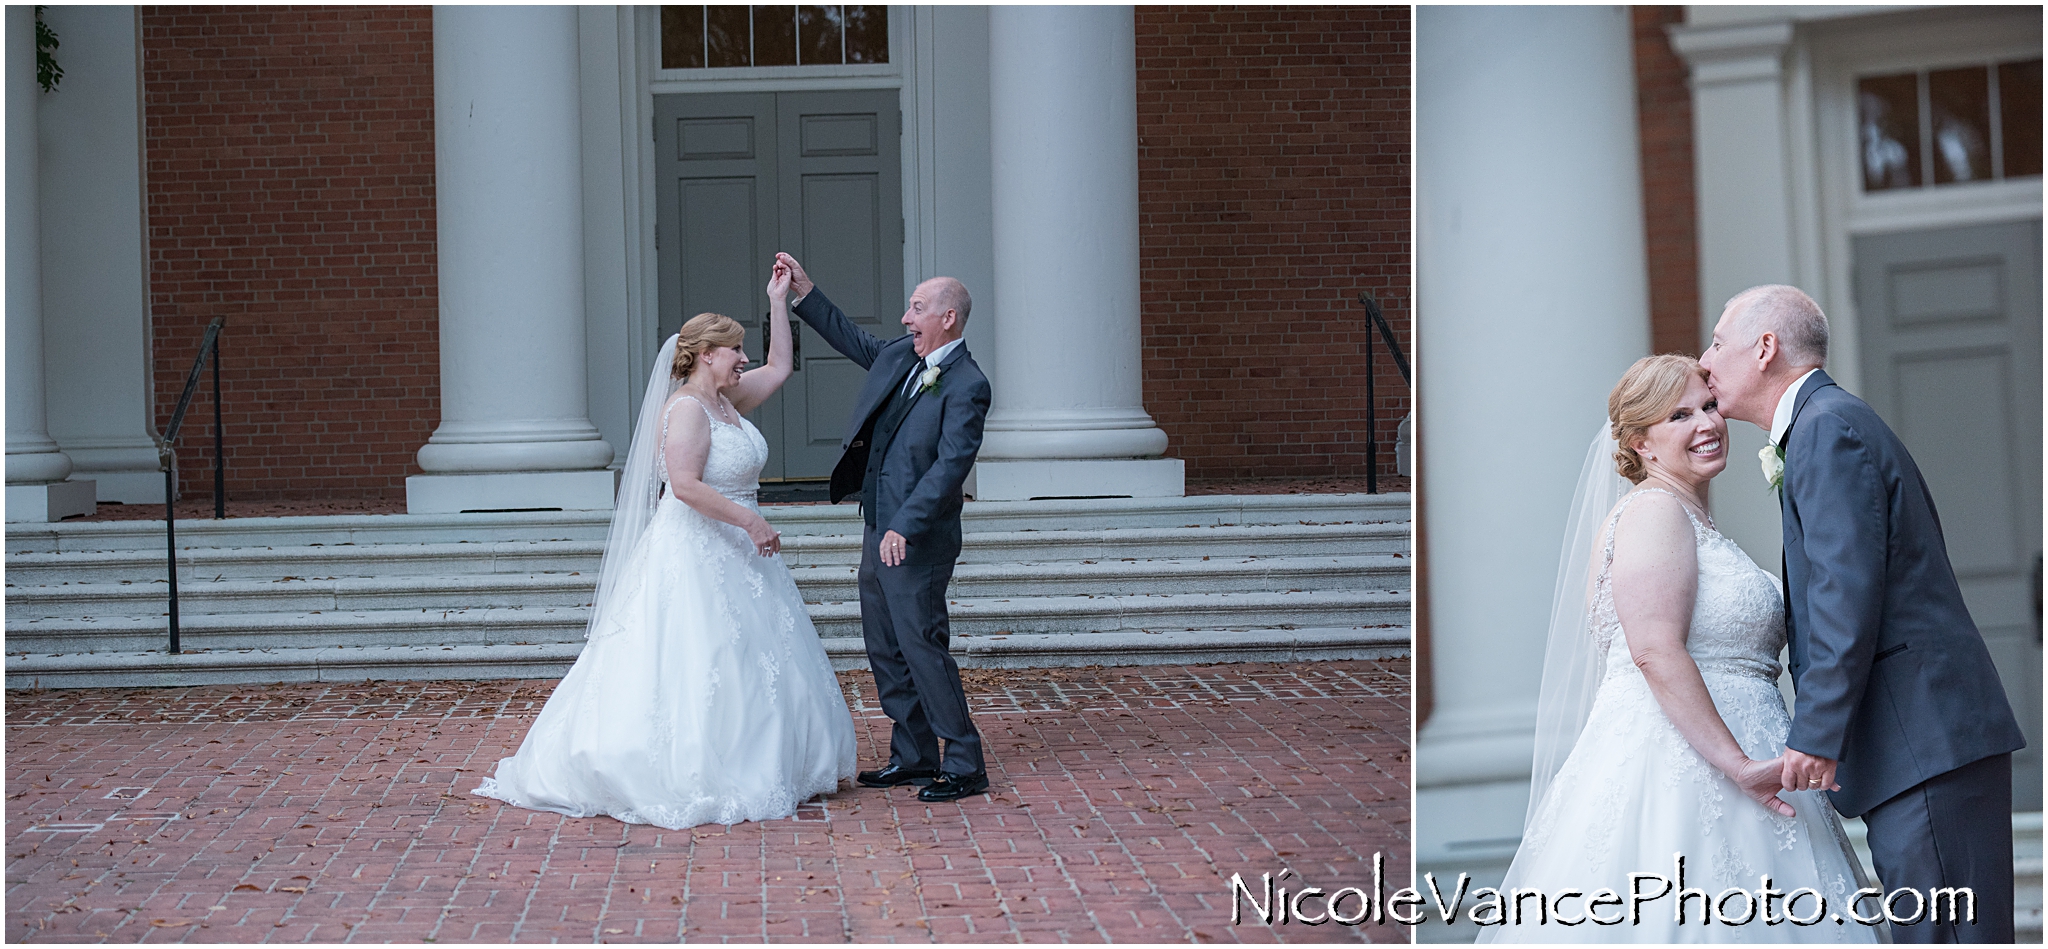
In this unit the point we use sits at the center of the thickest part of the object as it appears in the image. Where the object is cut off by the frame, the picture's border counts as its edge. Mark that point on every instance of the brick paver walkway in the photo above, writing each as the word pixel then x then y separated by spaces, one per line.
pixel 1123 801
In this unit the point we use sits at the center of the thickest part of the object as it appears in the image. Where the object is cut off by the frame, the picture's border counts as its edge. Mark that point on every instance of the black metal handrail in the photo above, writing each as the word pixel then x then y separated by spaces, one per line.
pixel 1372 454
pixel 167 457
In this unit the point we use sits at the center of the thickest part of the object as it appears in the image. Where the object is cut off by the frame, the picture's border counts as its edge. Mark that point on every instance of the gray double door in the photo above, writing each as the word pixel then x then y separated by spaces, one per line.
pixel 1951 357
pixel 815 174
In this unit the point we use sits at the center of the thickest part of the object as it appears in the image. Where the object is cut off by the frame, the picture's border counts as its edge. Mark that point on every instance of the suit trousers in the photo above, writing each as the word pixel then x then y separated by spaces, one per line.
pixel 1952 830
pixel 903 620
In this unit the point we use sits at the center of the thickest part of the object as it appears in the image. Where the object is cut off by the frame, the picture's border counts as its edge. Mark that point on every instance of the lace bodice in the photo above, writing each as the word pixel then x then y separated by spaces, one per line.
pixel 733 466
pixel 1738 618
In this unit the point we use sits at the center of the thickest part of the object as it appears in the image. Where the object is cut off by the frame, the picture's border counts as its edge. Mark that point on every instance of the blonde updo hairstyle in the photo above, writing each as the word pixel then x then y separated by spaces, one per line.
pixel 702 333
pixel 1644 397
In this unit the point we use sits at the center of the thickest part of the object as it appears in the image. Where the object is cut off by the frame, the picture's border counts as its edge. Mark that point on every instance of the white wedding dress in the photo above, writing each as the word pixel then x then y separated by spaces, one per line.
pixel 1633 791
pixel 703 695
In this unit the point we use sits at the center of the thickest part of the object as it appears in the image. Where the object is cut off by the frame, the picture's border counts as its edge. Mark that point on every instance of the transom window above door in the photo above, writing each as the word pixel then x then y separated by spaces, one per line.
pixel 711 37
pixel 1948 126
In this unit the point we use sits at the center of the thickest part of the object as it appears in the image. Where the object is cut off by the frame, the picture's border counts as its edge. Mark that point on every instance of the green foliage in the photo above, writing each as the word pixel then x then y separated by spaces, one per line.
pixel 47 71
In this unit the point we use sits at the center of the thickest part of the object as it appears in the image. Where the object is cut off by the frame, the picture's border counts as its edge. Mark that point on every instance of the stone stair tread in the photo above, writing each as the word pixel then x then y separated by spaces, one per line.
pixel 524 546
pixel 351 597
pixel 969 607
pixel 792 520
pixel 1256 565
pixel 521 660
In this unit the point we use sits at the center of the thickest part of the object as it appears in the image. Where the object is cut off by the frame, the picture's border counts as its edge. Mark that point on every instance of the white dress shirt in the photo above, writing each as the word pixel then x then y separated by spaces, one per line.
pixel 1782 418
pixel 932 359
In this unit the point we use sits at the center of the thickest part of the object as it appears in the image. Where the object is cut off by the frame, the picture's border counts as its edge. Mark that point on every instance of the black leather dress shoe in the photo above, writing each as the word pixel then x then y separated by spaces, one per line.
pixel 894 775
pixel 952 787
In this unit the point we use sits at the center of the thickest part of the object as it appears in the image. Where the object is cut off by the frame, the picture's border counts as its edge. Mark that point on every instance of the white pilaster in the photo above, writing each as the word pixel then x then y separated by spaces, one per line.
pixel 1069 418
pixel 36 468
pixel 515 429
pixel 1530 269
pixel 1747 202
pixel 95 255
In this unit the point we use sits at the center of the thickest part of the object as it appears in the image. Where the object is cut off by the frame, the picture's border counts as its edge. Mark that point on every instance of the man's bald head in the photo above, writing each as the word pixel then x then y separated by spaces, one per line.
pixel 948 294
pixel 1787 313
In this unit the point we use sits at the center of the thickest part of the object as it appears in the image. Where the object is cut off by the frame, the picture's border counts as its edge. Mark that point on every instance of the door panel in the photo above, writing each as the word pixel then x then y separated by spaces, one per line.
pixel 1951 338
pixel 842 215
pixel 715 188
pixel 719 242
pixel 817 174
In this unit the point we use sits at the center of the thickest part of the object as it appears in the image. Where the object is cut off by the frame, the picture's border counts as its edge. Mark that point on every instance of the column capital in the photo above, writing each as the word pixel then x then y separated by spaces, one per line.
pixel 1748 52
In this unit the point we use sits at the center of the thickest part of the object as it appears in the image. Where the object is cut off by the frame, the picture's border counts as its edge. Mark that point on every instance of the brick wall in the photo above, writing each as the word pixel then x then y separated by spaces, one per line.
pixel 1273 187
pixel 290 156
pixel 1664 118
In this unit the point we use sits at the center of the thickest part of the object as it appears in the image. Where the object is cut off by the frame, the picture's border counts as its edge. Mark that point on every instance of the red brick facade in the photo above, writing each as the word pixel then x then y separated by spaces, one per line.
pixel 290 160
pixel 1664 117
pixel 1273 187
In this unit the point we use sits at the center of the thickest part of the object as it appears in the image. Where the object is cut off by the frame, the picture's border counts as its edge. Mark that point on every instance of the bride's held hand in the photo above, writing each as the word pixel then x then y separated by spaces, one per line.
pixel 1760 780
pixel 779 282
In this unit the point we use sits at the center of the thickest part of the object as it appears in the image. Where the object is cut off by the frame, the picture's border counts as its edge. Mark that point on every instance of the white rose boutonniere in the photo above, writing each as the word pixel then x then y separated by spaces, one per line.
pixel 1773 458
pixel 928 381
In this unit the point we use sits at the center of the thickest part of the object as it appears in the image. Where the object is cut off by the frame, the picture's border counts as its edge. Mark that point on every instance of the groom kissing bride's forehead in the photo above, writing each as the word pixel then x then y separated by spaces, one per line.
pixel 1896 698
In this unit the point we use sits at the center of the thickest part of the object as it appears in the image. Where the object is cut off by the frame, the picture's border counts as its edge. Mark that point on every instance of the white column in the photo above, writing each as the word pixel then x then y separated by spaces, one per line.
pixel 36 468
pixel 1069 418
pixel 1748 232
pixel 95 257
pixel 515 429
pixel 1530 269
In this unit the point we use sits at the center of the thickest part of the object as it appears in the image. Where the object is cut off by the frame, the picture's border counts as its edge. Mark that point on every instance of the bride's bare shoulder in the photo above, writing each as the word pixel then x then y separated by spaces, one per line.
pixel 1650 518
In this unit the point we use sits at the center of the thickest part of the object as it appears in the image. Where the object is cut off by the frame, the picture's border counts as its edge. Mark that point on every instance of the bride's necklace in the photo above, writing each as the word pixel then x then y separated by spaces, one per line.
pixel 716 404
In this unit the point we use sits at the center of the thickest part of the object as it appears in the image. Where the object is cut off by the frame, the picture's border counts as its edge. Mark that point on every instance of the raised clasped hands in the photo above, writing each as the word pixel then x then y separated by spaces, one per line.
pixel 1759 780
pixel 779 282
pixel 799 282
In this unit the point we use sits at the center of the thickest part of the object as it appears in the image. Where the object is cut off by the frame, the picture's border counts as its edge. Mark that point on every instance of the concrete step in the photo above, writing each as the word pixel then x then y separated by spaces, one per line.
pixel 974 616
pixel 329 561
pixel 819 584
pixel 551 660
pixel 792 520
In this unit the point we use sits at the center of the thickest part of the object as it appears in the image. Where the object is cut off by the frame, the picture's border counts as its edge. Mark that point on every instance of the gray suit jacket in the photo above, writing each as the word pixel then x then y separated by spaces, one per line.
pixel 1892 678
pixel 923 452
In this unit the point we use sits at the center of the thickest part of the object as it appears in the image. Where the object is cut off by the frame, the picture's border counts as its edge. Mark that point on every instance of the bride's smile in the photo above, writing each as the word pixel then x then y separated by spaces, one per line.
pixel 1690 444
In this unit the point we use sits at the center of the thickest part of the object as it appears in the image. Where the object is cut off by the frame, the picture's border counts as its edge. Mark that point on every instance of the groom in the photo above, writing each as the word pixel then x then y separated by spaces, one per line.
pixel 914 432
pixel 1896 696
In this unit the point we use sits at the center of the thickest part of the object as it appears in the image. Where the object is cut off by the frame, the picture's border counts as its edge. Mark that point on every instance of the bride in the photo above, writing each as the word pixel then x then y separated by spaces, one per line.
pixel 1660 725
pixel 703 694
